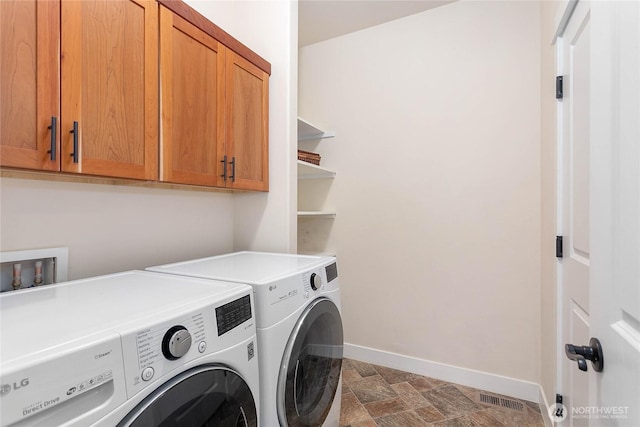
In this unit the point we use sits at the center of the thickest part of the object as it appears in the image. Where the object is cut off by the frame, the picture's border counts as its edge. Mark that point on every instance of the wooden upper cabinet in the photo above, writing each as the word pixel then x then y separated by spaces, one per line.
pixel 80 93
pixel 109 69
pixel 29 84
pixel 215 110
pixel 247 124
pixel 97 73
pixel 192 76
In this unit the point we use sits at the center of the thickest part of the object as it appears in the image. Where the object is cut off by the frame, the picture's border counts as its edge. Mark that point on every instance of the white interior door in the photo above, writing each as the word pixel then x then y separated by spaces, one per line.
pixel 615 207
pixel 600 280
pixel 576 50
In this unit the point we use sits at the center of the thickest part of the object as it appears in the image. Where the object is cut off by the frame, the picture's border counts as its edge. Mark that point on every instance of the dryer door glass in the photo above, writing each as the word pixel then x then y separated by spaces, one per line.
pixel 204 396
pixel 310 373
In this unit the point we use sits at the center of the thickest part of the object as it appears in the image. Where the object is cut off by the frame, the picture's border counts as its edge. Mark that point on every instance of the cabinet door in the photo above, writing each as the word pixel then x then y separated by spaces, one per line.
pixel 247 129
pixel 110 88
pixel 192 70
pixel 29 83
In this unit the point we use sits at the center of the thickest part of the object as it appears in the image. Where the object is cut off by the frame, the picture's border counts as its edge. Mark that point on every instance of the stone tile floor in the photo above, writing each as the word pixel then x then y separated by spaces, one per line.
pixel 375 396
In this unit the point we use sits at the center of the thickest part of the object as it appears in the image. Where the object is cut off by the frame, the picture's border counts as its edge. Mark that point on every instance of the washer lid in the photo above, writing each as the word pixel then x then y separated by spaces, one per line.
pixel 71 314
pixel 245 267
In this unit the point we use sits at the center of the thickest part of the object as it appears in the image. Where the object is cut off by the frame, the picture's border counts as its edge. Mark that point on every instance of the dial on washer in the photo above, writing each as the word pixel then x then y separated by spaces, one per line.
pixel 176 342
pixel 316 281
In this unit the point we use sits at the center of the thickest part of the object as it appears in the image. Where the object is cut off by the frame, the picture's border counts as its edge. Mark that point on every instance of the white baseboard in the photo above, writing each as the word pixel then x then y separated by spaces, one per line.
pixel 482 380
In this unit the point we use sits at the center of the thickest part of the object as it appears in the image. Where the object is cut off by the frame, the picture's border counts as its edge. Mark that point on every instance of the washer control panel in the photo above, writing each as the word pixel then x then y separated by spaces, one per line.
pixel 152 352
pixel 167 342
pixel 232 314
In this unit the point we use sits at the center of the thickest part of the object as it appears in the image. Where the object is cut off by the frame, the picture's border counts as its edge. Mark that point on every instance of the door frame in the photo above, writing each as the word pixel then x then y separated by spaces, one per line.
pixel 560 145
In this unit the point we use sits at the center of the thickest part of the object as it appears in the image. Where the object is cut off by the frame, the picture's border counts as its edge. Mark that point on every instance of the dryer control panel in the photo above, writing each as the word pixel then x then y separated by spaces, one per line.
pixel 155 351
pixel 278 299
pixel 320 279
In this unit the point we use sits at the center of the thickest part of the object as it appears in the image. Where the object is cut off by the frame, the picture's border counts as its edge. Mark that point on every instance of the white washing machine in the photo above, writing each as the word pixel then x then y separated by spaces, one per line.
pixel 129 349
pixel 299 324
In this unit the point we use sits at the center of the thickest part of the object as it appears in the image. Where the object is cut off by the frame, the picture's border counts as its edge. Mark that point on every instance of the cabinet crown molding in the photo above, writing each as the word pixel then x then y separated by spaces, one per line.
pixel 185 11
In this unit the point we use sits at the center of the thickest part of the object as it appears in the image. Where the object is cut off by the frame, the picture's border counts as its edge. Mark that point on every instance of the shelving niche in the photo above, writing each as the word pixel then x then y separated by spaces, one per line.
pixel 308 131
pixel 314 218
pixel 316 214
pixel 308 170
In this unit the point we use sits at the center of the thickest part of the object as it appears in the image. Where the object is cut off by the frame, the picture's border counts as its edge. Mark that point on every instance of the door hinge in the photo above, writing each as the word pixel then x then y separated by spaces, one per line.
pixel 558 246
pixel 559 412
pixel 559 91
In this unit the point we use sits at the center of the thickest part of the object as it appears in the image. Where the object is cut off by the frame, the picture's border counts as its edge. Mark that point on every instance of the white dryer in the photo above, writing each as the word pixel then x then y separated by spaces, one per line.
pixel 300 336
pixel 129 349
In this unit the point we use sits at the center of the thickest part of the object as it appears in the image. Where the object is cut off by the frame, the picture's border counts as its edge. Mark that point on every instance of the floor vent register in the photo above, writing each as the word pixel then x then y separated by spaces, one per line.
pixel 499 402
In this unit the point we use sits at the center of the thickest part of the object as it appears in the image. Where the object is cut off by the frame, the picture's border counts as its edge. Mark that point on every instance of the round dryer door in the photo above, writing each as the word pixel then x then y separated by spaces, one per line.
pixel 311 366
pixel 208 395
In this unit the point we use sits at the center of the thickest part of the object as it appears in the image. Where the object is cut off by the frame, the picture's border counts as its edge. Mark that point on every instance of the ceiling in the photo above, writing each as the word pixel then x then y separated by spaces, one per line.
pixel 320 20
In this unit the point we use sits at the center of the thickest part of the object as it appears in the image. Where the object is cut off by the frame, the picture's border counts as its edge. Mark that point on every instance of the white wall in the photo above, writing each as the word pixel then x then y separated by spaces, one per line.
pixel 437 154
pixel 269 28
pixel 110 228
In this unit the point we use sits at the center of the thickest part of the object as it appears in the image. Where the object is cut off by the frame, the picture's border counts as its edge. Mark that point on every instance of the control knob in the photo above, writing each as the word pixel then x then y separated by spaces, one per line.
pixel 315 281
pixel 176 342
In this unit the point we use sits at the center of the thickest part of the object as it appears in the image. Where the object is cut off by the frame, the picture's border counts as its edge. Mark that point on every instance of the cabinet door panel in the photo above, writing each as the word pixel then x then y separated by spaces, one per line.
pixel 247 123
pixel 192 66
pixel 29 83
pixel 109 86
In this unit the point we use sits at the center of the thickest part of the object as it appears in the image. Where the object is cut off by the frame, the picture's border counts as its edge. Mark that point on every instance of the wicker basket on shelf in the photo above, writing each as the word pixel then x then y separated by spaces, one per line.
pixel 307 156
